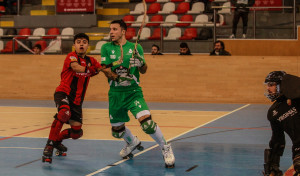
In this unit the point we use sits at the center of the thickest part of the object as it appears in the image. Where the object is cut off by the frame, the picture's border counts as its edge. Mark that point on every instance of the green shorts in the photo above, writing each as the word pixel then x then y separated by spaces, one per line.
pixel 123 100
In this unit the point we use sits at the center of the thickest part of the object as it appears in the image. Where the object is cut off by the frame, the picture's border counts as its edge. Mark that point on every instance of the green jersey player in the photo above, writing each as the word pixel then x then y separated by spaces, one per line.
pixel 124 65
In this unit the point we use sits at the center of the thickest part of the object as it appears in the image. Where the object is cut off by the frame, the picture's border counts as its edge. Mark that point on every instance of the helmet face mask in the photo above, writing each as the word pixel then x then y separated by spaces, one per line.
pixel 272 84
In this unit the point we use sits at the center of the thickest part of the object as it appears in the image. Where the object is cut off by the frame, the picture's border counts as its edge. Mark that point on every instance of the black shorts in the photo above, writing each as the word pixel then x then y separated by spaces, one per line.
pixel 61 98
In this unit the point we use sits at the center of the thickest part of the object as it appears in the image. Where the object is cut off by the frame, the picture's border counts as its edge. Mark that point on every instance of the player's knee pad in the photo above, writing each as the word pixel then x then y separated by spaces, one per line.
pixel 118 132
pixel 76 132
pixel 148 125
pixel 64 113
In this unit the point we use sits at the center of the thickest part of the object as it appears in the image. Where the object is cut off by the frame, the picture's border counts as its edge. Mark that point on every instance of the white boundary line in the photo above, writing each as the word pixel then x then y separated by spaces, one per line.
pixel 21 148
pixel 137 154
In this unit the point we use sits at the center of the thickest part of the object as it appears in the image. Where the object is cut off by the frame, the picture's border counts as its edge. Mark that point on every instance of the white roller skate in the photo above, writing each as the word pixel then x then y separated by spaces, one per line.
pixel 126 152
pixel 168 156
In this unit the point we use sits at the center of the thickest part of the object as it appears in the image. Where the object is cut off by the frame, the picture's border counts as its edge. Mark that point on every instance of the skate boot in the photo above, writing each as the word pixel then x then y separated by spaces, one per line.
pixel 126 152
pixel 168 156
pixel 47 154
pixel 60 149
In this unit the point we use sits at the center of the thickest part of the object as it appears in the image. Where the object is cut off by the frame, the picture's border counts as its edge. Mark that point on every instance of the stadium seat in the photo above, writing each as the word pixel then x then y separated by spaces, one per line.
pixel 168 8
pixel 67 33
pixel 197 8
pixel 170 20
pixel 185 18
pixel 153 8
pixel 162 1
pixel 225 10
pixel 25 32
pixel 177 0
pixel 155 18
pixel 2 10
pixel 1 45
pixel 1 32
pixel 156 34
pixel 128 19
pixel 97 49
pixel 173 34
pixel 54 47
pixel 9 47
pixel 182 8
pixel 139 21
pixel 43 44
pixel 52 31
pixel 37 33
pixel 139 9
pixel 144 35
pixel 130 33
pixel 189 34
pixel 202 20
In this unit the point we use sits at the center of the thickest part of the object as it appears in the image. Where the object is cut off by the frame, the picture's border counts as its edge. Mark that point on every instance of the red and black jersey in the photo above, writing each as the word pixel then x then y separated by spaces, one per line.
pixel 72 83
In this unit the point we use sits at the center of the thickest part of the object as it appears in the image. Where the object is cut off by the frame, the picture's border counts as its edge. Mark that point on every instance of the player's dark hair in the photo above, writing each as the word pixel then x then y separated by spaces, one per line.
pixel 183 45
pixel 156 46
pixel 38 46
pixel 81 35
pixel 121 23
pixel 221 42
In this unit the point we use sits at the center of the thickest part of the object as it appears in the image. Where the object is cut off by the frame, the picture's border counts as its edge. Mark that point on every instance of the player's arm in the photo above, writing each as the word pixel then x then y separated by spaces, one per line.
pixel 109 73
pixel 93 70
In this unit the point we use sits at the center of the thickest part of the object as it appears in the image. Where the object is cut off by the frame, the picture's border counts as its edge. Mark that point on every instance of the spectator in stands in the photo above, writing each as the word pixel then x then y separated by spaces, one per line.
pixel 155 50
pixel 37 49
pixel 219 49
pixel 184 49
pixel 241 11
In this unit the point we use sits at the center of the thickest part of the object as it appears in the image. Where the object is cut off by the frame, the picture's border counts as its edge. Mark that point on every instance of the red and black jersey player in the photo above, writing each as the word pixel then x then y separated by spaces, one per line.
pixel 69 96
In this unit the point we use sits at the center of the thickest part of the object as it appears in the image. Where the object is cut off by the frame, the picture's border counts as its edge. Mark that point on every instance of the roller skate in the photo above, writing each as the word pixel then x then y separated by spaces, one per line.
pixel 60 149
pixel 168 156
pixel 126 152
pixel 47 154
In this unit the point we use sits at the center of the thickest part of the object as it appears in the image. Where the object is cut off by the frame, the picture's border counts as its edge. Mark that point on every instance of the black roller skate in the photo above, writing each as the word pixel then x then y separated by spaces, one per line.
pixel 60 149
pixel 47 154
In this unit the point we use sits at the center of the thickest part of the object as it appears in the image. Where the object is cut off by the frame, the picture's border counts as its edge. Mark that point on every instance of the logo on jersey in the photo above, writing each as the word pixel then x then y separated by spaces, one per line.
pixel 290 113
pixel 275 113
pixel 73 58
pixel 103 59
pixel 113 51
pixel 130 51
pixel 112 56
pixel 83 62
pixel 137 103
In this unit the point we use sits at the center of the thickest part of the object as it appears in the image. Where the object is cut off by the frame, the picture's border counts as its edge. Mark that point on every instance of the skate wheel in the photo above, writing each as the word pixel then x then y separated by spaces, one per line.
pixel 140 148
pixel 59 153
pixel 45 159
pixel 169 166
pixel 130 155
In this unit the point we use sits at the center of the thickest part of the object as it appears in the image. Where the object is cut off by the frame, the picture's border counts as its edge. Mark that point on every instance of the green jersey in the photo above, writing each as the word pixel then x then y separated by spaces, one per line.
pixel 110 52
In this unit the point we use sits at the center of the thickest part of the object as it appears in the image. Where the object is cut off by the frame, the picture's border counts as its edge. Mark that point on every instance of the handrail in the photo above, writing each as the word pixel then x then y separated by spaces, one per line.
pixel 254 16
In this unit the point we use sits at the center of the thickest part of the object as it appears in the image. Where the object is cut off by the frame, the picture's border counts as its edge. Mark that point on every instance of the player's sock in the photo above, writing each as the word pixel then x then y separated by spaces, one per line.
pixel 128 137
pixel 158 137
pixel 55 130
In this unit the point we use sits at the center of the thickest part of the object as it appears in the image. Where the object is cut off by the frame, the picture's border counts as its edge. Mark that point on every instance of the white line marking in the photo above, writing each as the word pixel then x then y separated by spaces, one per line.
pixel 139 153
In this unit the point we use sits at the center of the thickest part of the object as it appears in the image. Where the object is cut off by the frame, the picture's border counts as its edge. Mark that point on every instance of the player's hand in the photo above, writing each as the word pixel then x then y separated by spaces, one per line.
pixel 136 61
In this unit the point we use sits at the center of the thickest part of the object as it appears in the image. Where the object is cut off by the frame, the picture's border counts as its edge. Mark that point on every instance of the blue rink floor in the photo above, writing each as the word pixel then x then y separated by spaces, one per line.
pixel 230 146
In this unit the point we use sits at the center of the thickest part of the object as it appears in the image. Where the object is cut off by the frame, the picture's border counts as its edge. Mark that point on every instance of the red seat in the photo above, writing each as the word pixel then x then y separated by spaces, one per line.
pixel 9 47
pixel 130 33
pixel 155 18
pixel 52 31
pixel 150 1
pixel 189 34
pixel 182 8
pixel 25 32
pixel 43 44
pixel 156 34
pixel 177 0
pixel 153 8
pixel 185 18
pixel 2 9
pixel 128 19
